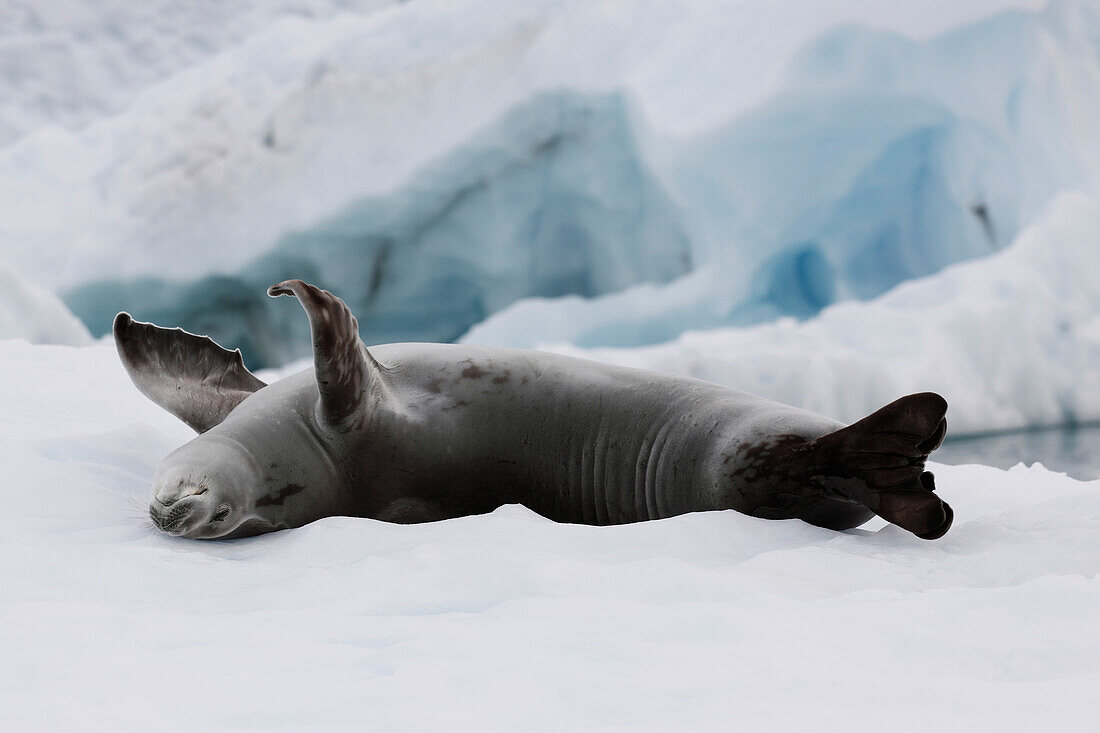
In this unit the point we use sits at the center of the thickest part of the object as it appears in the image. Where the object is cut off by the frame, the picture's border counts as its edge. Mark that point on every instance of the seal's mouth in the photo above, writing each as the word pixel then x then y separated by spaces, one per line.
pixel 189 513
pixel 172 518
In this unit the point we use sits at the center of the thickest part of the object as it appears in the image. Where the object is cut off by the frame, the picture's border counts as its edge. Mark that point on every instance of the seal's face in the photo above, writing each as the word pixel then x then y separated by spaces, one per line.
pixel 267 457
pixel 202 490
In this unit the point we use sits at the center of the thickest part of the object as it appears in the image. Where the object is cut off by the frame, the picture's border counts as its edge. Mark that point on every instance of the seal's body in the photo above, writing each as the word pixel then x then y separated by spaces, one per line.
pixel 421 432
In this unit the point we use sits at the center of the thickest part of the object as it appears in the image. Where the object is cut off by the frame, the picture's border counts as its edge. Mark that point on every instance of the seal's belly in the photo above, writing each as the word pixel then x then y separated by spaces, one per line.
pixel 574 440
pixel 605 465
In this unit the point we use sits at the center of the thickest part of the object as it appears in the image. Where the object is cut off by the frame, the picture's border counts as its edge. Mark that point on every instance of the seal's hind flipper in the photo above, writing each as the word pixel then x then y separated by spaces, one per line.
pixel 879 462
pixel 348 377
pixel 190 376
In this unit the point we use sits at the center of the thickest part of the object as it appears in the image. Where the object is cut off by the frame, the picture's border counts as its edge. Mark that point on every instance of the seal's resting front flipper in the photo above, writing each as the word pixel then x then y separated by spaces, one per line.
pixel 879 462
pixel 190 376
pixel 348 377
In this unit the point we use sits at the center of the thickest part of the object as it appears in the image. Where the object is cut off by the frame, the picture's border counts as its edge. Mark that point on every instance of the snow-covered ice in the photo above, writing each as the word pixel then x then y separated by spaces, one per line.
pixel 552 199
pixel 791 165
pixel 508 621
pixel 73 62
pixel 876 159
pixel 30 312
pixel 1012 340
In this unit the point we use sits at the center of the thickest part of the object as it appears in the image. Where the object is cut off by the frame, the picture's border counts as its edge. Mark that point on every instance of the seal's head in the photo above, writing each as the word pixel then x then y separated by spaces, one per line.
pixel 201 490
pixel 263 459
pixel 205 489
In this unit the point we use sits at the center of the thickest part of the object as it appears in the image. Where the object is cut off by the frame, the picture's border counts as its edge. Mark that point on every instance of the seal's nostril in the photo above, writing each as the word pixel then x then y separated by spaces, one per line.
pixel 162 502
pixel 222 513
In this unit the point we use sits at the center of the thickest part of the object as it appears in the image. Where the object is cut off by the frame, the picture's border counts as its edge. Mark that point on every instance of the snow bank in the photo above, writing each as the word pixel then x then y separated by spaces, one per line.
pixel 1012 340
pixel 30 312
pixel 507 621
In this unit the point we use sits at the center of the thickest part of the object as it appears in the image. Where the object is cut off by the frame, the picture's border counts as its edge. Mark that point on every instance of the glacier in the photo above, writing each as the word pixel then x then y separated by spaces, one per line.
pixel 1011 340
pixel 73 62
pixel 796 179
pixel 553 199
pixel 465 183
pixel 878 159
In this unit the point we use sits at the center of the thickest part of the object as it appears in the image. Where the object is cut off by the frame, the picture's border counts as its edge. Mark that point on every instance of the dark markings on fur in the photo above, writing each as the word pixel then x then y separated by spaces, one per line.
pixel 473 371
pixel 877 463
pixel 771 477
pixel 345 370
pixel 281 495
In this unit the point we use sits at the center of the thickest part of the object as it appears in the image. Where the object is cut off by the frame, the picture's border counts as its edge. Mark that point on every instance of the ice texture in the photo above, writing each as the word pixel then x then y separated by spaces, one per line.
pixel 507 621
pixel 74 62
pixel 553 199
pixel 798 165
pixel 1011 340
pixel 877 159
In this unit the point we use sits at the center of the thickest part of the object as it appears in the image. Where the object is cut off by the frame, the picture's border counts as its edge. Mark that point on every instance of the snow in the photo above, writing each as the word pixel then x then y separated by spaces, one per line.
pixel 875 160
pixel 794 161
pixel 508 621
pixel 30 312
pixel 552 199
pixel 1011 340
pixel 72 62
pixel 828 202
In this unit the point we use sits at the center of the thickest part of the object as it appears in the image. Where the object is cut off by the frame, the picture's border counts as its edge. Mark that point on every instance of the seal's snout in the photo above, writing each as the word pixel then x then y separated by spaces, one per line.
pixel 174 518
pixel 167 495
pixel 201 490
pixel 179 506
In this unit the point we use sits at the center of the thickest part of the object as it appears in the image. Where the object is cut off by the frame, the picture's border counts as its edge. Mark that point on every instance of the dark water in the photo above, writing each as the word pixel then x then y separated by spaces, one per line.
pixel 1075 451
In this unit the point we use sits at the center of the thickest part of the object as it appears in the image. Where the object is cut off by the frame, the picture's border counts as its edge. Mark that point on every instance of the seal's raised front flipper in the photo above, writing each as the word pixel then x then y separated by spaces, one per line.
pixel 190 376
pixel 348 377
pixel 879 462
